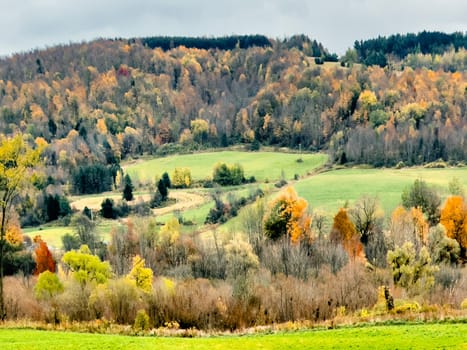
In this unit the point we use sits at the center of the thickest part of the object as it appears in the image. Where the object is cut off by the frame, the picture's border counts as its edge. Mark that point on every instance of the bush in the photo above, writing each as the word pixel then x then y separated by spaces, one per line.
pixel 141 321
pixel 228 175
pixel 403 306
pixel 464 304
pixel 107 209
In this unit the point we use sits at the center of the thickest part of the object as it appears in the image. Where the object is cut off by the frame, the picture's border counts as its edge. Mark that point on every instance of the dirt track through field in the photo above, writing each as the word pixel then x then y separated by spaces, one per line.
pixel 183 200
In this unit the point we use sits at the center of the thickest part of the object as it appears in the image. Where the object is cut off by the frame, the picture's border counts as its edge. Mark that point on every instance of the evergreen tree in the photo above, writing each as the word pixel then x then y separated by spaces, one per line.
pixel 166 179
pixel 128 188
pixel 162 188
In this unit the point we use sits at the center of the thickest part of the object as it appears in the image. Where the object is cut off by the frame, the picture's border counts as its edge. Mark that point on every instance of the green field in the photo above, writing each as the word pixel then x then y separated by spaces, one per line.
pixel 52 235
pixel 326 192
pixel 417 336
pixel 262 165
pixel 330 190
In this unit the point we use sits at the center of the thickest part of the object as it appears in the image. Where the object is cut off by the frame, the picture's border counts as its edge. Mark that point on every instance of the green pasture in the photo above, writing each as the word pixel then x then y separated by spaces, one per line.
pixel 262 165
pixel 329 191
pixel 415 336
pixel 52 235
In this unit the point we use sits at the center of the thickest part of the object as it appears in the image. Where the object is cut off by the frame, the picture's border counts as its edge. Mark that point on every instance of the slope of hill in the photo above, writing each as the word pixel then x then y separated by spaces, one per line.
pixel 109 100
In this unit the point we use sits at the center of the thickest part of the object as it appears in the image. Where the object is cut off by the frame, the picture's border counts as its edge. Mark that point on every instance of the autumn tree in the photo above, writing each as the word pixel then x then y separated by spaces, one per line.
pixel 228 174
pixel 454 219
pixel 199 130
pixel 422 196
pixel 343 231
pixel 181 178
pixel 141 275
pixel 46 290
pixel 16 160
pixel 288 216
pixel 43 257
pixel 86 267
pixel 409 226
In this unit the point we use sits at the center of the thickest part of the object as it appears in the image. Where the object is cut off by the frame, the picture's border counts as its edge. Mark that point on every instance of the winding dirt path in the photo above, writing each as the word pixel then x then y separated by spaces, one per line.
pixel 183 200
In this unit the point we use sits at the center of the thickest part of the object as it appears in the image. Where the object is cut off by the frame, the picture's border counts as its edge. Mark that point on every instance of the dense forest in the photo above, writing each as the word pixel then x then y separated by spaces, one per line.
pixel 376 51
pixel 107 100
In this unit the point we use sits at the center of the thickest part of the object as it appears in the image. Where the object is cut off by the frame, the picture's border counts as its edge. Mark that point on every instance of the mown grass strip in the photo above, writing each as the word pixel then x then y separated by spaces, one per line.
pixel 408 336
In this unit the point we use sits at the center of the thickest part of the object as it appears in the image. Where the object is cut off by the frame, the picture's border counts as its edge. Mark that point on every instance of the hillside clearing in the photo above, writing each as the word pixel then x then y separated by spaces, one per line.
pixel 262 165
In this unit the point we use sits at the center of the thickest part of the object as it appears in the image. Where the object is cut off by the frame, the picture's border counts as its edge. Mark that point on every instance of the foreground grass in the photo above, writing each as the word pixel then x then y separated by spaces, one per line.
pixel 262 165
pixel 415 336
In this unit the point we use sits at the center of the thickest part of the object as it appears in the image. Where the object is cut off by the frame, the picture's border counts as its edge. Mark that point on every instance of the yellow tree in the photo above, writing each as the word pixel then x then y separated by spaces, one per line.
pixel 141 275
pixel 454 219
pixel 16 159
pixel 288 215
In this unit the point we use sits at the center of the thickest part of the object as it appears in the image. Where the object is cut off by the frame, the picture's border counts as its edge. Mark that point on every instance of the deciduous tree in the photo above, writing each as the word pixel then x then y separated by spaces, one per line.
pixel 454 219
pixel 16 159
pixel 43 257
pixel 343 231
pixel 287 215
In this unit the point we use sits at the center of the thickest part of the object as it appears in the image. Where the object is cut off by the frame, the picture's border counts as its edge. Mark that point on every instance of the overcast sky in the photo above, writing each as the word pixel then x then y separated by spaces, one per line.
pixel 30 24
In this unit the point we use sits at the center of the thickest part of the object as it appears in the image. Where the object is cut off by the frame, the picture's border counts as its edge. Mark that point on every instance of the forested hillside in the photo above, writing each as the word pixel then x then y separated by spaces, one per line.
pixel 108 100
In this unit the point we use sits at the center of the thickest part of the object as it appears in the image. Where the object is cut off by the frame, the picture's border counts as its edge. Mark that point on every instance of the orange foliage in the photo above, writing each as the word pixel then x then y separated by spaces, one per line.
pixel 293 210
pixel 344 232
pixel 43 257
pixel 454 219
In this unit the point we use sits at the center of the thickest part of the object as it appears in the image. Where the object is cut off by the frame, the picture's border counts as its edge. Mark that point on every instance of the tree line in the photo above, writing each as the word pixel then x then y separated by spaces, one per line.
pixel 376 51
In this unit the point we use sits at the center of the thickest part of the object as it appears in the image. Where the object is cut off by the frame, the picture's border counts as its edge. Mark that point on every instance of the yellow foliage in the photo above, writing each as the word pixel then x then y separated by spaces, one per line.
pixel 367 99
pixel 101 126
pixel 141 275
pixel 169 285
pixel 14 235
pixel 170 232
pixel 181 177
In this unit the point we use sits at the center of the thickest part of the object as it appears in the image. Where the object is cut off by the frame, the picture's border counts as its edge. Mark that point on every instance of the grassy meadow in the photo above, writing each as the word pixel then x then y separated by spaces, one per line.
pixel 329 191
pixel 262 165
pixel 326 191
pixel 409 336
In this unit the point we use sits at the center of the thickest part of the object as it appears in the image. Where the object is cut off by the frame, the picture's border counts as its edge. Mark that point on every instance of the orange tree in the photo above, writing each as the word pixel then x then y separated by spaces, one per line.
pixel 454 219
pixel 343 231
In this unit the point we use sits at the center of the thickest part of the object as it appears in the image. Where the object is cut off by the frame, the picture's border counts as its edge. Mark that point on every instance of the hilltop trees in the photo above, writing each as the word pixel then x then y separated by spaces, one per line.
pixel 118 99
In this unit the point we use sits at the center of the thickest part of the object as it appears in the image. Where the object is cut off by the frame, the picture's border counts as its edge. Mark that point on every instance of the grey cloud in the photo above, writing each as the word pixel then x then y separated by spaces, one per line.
pixel 30 24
